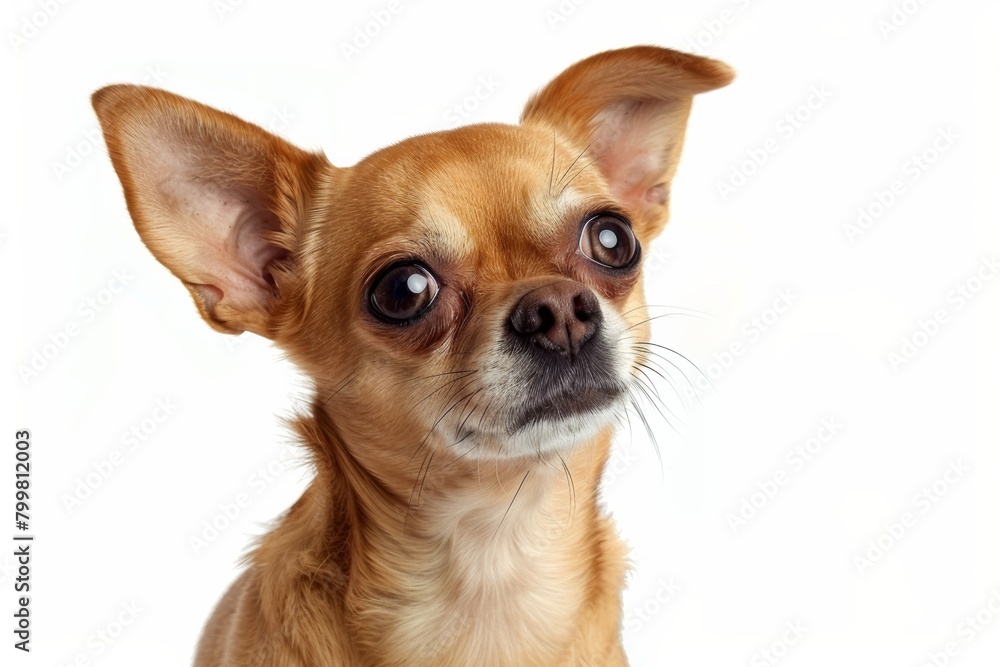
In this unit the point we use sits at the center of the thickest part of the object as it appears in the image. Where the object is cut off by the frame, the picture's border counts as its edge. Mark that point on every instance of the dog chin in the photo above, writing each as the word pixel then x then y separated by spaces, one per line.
pixel 538 438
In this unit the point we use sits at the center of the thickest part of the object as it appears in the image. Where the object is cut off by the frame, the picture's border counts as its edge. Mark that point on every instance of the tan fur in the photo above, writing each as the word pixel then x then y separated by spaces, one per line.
pixel 408 548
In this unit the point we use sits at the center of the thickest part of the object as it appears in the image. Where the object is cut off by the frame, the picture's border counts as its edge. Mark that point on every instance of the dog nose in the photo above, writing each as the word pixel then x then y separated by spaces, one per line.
pixel 560 317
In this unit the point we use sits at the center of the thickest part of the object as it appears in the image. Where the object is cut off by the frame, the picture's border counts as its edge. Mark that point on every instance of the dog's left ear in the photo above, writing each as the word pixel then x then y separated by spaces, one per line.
pixel 628 109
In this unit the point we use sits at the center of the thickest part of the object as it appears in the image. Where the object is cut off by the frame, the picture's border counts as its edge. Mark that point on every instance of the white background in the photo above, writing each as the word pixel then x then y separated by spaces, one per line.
pixel 706 590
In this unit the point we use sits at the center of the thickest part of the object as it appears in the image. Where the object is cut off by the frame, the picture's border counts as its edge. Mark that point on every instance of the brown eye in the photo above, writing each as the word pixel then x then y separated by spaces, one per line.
pixel 403 292
pixel 609 241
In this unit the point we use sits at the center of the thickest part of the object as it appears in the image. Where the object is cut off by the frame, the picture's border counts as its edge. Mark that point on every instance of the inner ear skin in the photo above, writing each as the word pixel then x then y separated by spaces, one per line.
pixel 254 243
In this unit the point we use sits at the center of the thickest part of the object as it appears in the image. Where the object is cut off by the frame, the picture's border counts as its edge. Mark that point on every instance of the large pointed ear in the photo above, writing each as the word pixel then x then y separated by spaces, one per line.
pixel 218 201
pixel 628 109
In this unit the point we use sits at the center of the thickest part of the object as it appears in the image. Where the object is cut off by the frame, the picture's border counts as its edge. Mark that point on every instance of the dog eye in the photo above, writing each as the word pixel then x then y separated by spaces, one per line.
pixel 403 291
pixel 609 241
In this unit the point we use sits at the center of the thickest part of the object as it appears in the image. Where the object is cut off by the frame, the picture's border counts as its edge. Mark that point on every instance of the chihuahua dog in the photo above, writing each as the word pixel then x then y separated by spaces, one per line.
pixel 469 307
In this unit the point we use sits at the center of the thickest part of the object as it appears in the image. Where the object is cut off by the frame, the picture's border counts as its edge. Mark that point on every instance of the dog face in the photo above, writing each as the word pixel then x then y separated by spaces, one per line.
pixel 476 291
pixel 489 294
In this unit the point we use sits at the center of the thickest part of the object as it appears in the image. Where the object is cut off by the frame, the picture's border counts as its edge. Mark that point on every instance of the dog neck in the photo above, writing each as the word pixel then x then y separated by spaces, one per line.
pixel 455 560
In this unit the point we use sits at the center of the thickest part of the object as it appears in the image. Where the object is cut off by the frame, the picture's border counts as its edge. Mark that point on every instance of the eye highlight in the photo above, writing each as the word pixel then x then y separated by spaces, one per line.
pixel 403 292
pixel 607 239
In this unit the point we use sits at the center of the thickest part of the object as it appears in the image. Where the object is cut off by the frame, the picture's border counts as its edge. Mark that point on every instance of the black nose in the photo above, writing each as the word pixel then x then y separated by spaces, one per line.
pixel 560 317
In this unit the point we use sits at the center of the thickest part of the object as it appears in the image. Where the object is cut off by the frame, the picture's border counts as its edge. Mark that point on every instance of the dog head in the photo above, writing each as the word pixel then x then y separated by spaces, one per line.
pixel 477 289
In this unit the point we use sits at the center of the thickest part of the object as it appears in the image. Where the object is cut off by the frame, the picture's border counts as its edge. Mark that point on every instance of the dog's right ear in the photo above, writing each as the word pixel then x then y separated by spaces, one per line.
pixel 219 201
pixel 628 110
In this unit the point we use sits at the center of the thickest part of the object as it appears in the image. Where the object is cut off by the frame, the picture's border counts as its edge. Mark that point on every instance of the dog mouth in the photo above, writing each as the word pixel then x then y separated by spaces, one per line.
pixel 559 391
pixel 564 403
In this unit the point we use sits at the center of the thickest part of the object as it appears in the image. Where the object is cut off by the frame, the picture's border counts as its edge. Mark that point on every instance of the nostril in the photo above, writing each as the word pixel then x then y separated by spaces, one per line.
pixel 545 318
pixel 530 318
pixel 585 306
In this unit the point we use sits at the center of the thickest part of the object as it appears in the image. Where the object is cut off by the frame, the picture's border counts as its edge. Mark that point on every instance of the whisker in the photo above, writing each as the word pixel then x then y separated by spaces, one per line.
pixel 516 493
pixel 462 424
pixel 418 485
pixel 649 430
pixel 643 363
pixel 678 308
pixel 435 375
pixel 631 436
pixel 570 485
pixel 423 479
pixel 655 357
pixel 572 164
pixel 445 414
pixel 658 317
pixel 461 456
pixel 645 390
pixel 343 384
pixel 552 169
pixel 664 347
pixel 582 169
pixel 483 416
pixel 670 384
pixel 427 435
pixel 452 381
